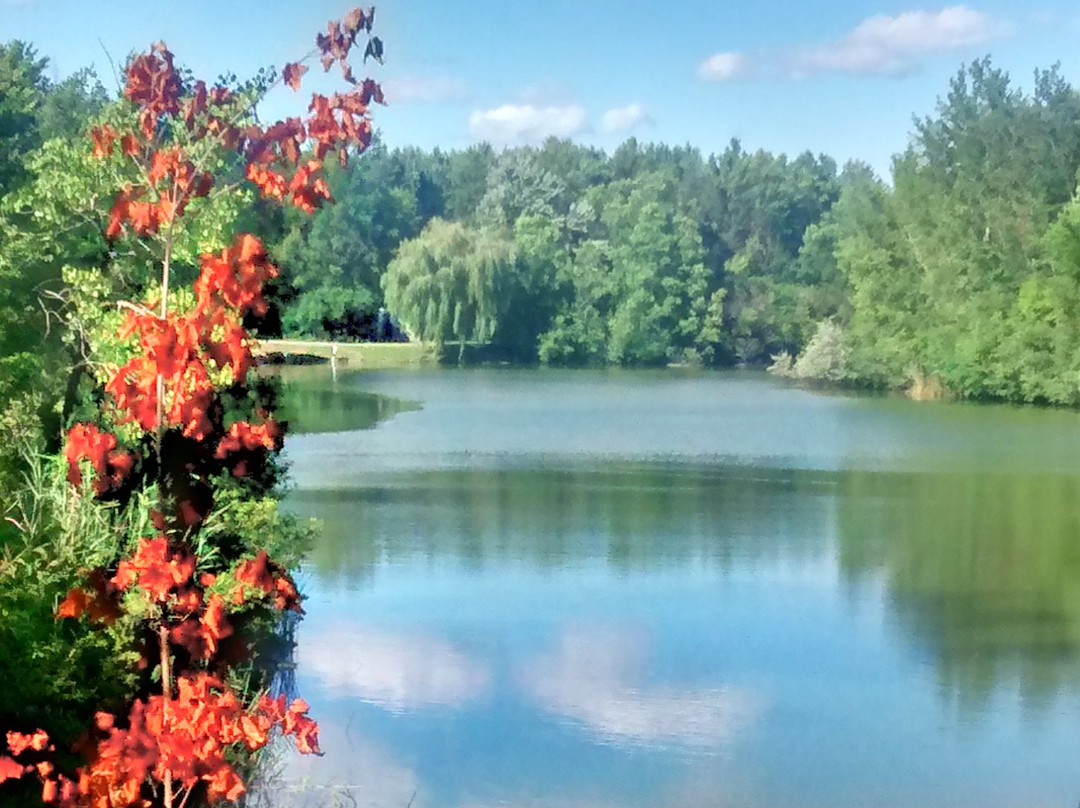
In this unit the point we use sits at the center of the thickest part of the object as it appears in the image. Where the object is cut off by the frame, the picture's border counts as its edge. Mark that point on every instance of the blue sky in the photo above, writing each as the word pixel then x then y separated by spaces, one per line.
pixel 842 78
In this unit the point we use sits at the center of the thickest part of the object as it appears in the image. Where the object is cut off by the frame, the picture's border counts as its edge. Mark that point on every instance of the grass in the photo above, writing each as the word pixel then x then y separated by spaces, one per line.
pixel 357 355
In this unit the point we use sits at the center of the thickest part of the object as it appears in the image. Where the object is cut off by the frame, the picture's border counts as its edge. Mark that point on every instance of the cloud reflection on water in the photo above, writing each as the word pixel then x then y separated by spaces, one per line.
pixel 399 672
pixel 353 770
pixel 589 678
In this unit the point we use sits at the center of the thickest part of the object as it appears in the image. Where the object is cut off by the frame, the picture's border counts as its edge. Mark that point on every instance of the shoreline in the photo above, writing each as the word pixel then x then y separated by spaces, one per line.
pixel 356 355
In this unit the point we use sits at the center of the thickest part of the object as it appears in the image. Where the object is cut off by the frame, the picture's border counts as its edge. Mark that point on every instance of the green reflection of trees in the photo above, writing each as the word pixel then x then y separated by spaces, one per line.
pixel 314 403
pixel 636 517
pixel 983 573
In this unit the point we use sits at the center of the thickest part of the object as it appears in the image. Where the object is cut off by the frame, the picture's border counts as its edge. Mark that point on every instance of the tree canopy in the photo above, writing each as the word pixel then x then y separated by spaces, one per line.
pixel 960 267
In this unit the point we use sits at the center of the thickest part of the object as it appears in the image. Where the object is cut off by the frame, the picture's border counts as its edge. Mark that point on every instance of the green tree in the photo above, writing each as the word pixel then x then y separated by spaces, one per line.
pixel 518 186
pixel 467 173
pixel 332 263
pixel 443 284
pixel 533 289
pixel 22 90
pixel 45 187
pixel 949 273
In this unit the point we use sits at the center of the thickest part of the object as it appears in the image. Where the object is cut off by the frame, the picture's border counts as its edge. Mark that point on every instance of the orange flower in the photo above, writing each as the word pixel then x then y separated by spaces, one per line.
pixel 308 188
pixel 37 741
pixel 213 624
pixel 263 577
pixel 235 277
pixel 129 145
pixel 172 349
pixel 186 373
pixel 270 183
pixel 245 437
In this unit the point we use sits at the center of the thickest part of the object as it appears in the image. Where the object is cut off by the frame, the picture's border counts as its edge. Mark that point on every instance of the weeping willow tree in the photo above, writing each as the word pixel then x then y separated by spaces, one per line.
pixel 444 285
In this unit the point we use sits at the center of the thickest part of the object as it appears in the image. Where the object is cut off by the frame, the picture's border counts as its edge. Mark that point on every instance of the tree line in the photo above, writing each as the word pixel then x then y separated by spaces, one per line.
pixel 955 275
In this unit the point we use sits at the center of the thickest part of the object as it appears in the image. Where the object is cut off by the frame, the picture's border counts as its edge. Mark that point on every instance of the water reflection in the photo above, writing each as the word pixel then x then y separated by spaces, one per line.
pixel 394 671
pixel 982 571
pixel 884 612
pixel 983 575
pixel 315 402
pixel 636 517
pixel 593 676
pixel 355 769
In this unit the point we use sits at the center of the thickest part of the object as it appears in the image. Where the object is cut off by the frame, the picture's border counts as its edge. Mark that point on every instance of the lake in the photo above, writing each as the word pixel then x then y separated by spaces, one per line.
pixel 668 589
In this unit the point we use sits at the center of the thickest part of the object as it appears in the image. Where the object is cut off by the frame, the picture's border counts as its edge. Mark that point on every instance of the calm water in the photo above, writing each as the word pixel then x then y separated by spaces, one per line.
pixel 660 589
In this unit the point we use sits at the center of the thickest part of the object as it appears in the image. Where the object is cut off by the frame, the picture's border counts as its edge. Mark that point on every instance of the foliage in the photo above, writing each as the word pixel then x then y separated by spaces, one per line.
pixel 826 357
pixel 59 669
pixel 33 112
pixel 949 272
pixel 443 283
pixel 332 261
pixel 164 525
pixel 22 87
pixel 958 270
pixel 624 259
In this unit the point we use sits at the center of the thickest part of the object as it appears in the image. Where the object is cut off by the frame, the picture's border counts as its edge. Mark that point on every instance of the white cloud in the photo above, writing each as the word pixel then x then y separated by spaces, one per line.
pixel 879 45
pixel 524 123
pixel 396 672
pixel 724 66
pixel 893 45
pixel 424 90
pixel 625 119
pixel 590 678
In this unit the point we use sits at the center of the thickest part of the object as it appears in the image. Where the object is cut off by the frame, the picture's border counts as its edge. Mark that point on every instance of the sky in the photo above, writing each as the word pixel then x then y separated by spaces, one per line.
pixel 842 78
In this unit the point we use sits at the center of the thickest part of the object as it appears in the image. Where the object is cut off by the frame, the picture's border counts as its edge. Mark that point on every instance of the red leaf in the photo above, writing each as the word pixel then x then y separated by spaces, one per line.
pixel 102 137
pixel 292 73
pixel 18 742
pixel 354 20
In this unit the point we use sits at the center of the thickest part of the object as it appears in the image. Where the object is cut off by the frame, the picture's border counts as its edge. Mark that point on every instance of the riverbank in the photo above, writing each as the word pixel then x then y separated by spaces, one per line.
pixel 356 355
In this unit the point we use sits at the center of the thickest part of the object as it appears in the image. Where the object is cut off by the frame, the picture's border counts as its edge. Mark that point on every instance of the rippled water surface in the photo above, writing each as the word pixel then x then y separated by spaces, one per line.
pixel 585 588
